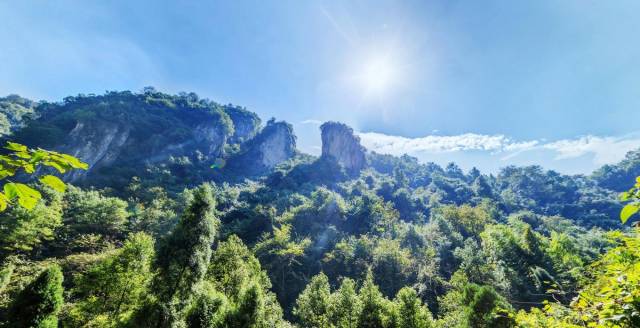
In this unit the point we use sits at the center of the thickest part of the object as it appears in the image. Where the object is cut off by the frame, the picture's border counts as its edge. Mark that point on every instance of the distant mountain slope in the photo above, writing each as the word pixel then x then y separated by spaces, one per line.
pixel 178 141
pixel 124 134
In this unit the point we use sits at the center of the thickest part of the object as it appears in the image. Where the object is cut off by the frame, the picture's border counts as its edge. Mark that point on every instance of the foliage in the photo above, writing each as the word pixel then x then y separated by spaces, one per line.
pixel 313 304
pixel 403 244
pixel 184 255
pixel 39 303
pixel 633 197
pixel 114 288
pixel 18 158
pixel 22 230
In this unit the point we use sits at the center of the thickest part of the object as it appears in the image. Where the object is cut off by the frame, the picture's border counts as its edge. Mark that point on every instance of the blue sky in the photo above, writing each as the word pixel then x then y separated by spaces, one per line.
pixel 483 83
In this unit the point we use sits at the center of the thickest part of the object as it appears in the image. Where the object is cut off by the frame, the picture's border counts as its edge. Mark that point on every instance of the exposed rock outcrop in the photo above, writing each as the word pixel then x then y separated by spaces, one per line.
pixel 275 144
pixel 246 124
pixel 340 144
pixel 95 145
pixel 108 143
pixel 120 134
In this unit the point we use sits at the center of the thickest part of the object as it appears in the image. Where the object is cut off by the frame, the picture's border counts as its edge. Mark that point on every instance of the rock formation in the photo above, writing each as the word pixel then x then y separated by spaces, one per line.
pixel 246 124
pixel 275 144
pixel 340 144
pixel 121 133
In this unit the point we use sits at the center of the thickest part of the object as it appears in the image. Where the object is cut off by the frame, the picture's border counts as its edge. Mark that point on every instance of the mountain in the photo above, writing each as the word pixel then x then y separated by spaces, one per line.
pixel 124 134
pixel 197 214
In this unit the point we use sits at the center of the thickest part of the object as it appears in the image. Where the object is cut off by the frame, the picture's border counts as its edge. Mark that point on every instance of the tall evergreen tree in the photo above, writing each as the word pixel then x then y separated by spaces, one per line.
pixel 409 310
pixel 250 310
pixel 345 305
pixel 485 308
pixel 184 256
pixel 312 306
pixel 376 309
pixel 114 287
pixel 39 303
pixel 209 311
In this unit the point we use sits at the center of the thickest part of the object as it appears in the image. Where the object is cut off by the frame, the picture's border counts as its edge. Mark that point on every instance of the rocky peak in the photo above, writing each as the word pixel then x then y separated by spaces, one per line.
pixel 275 144
pixel 340 144
pixel 246 124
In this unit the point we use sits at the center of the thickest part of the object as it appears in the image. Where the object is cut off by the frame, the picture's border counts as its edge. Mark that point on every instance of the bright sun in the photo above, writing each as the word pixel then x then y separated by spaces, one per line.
pixel 377 75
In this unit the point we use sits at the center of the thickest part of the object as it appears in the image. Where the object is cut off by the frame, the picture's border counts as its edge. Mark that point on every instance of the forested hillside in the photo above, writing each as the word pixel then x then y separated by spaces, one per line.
pixel 196 214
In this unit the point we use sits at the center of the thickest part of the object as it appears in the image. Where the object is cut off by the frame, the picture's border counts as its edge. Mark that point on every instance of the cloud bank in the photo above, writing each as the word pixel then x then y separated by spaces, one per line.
pixel 598 150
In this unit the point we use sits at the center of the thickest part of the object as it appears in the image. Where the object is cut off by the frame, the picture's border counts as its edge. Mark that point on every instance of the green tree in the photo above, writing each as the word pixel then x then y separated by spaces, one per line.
pixel 5 276
pixel 233 267
pixel 115 287
pixel 250 310
pixel 184 256
pixel 409 310
pixel 39 303
pixel 209 311
pixel 21 230
pixel 376 309
pixel 345 307
pixel 485 308
pixel 89 211
pixel 283 259
pixel 312 306
pixel 632 196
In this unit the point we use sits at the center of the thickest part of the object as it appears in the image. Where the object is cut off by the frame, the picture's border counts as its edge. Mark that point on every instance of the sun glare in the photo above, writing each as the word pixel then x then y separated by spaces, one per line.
pixel 378 75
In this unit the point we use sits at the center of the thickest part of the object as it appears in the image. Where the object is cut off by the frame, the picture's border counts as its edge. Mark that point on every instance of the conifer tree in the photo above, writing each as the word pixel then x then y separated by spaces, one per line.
pixel 250 310
pixel 114 287
pixel 184 256
pixel 345 305
pixel 209 311
pixel 312 306
pixel 409 310
pixel 39 303
pixel 376 309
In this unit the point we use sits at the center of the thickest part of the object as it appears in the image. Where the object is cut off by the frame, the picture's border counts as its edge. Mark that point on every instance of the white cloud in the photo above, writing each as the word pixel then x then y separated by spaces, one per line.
pixel 397 145
pixel 311 121
pixel 604 150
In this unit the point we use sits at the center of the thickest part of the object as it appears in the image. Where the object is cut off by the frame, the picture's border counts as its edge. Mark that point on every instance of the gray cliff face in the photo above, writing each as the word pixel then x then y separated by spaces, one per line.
pixel 245 123
pixel 278 145
pixel 105 144
pixel 96 144
pixel 340 144
pixel 275 144
pixel 210 138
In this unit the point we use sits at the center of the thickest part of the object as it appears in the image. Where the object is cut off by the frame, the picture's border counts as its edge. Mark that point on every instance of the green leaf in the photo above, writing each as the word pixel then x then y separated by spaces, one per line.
pixel 27 196
pixel 55 165
pixel 4 201
pixel 54 182
pixel 15 146
pixel 625 196
pixel 628 211
pixel 73 162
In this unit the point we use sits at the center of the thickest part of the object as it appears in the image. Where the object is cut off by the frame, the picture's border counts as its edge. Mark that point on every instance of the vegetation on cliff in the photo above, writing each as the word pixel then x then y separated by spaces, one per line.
pixel 156 241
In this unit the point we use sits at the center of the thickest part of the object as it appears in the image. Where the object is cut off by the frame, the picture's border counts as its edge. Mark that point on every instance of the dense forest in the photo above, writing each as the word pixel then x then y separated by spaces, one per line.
pixel 188 213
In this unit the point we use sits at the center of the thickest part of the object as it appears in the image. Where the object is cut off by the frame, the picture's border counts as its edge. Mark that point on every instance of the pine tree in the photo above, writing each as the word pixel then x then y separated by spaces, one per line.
pixel 312 306
pixel 184 256
pixel 485 308
pixel 250 310
pixel 115 286
pixel 39 303
pixel 345 305
pixel 209 311
pixel 376 309
pixel 409 311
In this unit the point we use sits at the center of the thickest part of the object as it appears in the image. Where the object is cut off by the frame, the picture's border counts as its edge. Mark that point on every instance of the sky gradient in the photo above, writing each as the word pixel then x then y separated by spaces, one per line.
pixel 484 84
